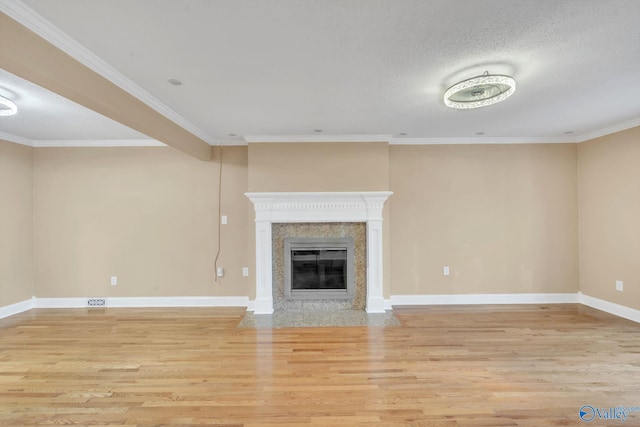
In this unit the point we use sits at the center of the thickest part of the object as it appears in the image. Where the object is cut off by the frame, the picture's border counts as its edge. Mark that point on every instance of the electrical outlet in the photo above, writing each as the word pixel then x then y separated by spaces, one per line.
pixel 245 271
pixel 114 280
pixel 619 285
pixel 223 219
pixel 445 270
pixel 220 272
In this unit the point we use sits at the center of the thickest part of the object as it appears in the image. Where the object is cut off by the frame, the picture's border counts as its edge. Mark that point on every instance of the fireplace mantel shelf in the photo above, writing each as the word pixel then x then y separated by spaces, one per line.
pixel 292 207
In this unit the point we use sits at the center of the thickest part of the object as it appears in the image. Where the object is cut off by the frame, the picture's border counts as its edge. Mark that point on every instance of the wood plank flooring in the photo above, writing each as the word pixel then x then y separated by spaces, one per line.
pixel 454 366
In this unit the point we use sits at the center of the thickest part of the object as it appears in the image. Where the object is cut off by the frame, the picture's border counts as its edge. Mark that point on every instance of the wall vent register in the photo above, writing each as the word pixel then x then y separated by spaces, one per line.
pixel 319 268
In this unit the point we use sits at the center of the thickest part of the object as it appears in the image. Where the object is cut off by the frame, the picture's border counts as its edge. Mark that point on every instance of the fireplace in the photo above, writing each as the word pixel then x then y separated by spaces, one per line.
pixel 350 231
pixel 318 268
pixel 319 208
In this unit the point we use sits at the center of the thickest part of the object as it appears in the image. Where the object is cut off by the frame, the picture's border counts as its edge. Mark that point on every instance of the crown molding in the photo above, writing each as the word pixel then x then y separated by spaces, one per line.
pixel 81 142
pixel 34 22
pixel 99 143
pixel 16 139
pixel 231 142
pixel 316 138
pixel 329 138
pixel 480 141
pixel 609 130
pixel 566 139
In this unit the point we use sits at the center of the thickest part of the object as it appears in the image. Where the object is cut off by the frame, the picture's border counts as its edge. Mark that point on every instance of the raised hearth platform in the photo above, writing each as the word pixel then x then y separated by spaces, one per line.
pixel 310 319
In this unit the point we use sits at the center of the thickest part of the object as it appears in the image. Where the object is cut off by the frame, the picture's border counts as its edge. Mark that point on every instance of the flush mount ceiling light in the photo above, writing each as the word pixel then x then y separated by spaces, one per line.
pixel 7 107
pixel 480 91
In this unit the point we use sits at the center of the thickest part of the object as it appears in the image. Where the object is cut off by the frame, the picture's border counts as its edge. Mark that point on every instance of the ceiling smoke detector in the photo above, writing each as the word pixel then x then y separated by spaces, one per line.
pixel 480 91
pixel 7 107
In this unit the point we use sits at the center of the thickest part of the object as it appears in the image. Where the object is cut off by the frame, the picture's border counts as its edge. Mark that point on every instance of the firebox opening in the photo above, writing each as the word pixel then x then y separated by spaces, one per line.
pixel 319 268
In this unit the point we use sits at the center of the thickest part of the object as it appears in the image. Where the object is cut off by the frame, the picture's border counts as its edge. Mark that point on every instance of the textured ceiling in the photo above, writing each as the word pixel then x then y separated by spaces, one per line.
pixel 367 67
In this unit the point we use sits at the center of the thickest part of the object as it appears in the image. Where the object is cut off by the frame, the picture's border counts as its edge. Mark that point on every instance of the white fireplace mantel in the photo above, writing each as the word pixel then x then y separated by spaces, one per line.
pixel 318 207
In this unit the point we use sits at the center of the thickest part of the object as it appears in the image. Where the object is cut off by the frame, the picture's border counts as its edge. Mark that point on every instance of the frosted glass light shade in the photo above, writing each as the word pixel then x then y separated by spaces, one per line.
pixel 479 91
pixel 7 107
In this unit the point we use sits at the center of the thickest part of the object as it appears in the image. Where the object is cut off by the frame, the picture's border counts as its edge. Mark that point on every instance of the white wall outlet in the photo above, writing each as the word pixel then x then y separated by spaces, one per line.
pixel 445 270
pixel 223 219
pixel 245 271
pixel 114 280
pixel 619 285
pixel 220 272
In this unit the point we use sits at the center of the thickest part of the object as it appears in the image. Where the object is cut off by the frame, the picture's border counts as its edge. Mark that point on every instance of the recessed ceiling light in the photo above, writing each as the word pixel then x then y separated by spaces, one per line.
pixel 175 82
pixel 403 134
pixel 233 134
pixel 479 133
pixel 7 107
pixel 568 132
pixel 480 91
pixel 317 130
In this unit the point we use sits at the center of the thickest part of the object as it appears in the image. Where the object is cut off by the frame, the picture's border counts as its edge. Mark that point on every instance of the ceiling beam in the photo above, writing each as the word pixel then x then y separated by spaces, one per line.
pixel 27 55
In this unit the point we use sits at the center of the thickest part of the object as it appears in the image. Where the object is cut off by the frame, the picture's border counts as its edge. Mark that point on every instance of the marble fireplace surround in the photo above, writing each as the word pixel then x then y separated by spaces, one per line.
pixel 310 207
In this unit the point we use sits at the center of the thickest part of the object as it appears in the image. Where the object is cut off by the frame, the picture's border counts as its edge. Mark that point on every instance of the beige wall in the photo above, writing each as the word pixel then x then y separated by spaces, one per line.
pixel 609 194
pixel 327 166
pixel 16 223
pixel 145 215
pixel 502 217
pixel 353 166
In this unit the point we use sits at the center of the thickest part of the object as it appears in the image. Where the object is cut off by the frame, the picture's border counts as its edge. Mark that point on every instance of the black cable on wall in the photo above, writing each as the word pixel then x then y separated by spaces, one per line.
pixel 215 262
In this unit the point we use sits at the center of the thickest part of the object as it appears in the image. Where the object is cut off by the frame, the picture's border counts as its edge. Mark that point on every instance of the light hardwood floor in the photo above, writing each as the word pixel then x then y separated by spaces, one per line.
pixel 446 366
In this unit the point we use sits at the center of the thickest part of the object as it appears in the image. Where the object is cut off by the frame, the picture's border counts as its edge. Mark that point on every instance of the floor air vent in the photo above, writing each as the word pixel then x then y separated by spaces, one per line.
pixel 96 302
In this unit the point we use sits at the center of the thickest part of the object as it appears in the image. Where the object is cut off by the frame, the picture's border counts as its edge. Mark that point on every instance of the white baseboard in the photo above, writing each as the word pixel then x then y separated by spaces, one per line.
pixel 610 307
pixel 468 299
pixel 60 303
pixel 399 300
pixel 140 302
pixel 178 302
pixel 19 307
